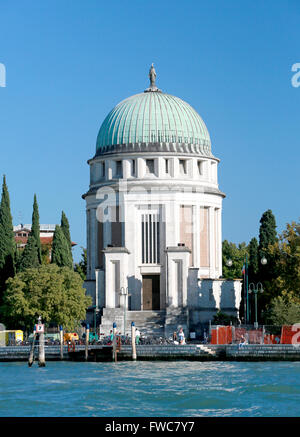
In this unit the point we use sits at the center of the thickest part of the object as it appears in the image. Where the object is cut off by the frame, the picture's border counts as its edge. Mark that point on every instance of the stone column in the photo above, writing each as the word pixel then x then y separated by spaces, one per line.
pixel 115 256
pixel 220 241
pixel 196 235
pixel 126 165
pixel 174 167
pixel 177 275
pixel 109 169
pixel 93 241
pixel 140 167
pixel 211 241
pixel 161 169
pixel 88 243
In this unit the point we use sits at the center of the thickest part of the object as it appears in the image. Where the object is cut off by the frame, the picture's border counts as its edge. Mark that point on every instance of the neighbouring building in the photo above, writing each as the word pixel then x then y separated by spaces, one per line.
pixel 22 232
pixel 154 219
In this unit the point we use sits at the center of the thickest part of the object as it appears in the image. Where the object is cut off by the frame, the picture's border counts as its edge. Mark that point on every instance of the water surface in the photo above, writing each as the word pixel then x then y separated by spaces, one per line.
pixel 151 389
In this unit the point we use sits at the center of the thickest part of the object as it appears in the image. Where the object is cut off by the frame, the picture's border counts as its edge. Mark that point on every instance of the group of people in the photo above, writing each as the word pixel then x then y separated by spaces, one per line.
pixel 127 339
pixel 179 339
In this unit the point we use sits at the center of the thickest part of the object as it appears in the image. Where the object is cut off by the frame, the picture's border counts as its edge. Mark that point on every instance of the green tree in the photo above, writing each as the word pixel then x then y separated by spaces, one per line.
pixel 253 260
pixel 65 227
pixel 81 267
pixel 284 310
pixel 35 228
pixel 53 292
pixel 60 249
pixel 267 238
pixel 267 233
pixel 221 318
pixel 267 273
pixel 230 251
pixel 30 255
pixel 286 252
pixel 7 241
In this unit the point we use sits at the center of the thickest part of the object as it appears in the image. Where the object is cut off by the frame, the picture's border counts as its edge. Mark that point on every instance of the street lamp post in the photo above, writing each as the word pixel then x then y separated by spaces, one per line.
pixel 255 289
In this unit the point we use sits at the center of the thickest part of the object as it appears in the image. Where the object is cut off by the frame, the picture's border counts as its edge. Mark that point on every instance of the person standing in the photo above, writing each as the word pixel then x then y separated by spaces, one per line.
pixel 137 336
pixel 181 336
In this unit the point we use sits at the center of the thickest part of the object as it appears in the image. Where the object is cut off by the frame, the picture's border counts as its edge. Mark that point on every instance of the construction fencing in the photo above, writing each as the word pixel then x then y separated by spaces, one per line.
pixel 260 335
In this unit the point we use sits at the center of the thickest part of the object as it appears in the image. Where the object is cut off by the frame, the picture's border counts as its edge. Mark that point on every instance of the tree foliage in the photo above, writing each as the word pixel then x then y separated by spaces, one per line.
pixel 267 232
pixel 284 310
pixel 29 257
pixel 65 227
pixel 221 318
pixel 253 260
pixel 61 254
pixel 7 241
pixel 35 228
pixel 286 252
pixel 53 292
pixel 230 251
pixel 81 267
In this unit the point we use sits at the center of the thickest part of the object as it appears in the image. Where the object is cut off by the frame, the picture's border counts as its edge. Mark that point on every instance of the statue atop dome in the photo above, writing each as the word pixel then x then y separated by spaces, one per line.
pixel 152 77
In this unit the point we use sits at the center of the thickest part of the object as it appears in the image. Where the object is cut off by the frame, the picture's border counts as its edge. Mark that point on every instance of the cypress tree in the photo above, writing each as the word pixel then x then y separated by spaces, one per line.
pixel 267 273
pixel 60 249
pixel 253 259
pixel 30 255
pixel 267 232
pixel 65 227
pixel 7 240
pixel 35 228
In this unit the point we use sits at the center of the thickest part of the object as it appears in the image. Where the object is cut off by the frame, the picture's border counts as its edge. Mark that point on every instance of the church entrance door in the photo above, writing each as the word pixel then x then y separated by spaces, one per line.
pixel 151 292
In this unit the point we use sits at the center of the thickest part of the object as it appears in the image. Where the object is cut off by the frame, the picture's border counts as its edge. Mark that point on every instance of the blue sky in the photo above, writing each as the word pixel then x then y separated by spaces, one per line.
pixel 69 62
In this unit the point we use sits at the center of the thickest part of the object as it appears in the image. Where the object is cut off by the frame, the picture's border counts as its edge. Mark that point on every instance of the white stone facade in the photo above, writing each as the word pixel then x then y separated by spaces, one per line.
pixel 162 215
pixel 154 218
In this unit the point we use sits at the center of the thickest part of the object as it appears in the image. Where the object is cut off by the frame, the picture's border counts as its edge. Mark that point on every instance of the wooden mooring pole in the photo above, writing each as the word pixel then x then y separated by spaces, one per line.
pixel 87 337
pixel 42 360
pixel 61 332
pixel 133 344
pixel 31 354
pixel 114 351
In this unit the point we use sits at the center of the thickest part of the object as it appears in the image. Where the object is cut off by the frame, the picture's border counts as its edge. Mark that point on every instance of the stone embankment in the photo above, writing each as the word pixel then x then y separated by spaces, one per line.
pixel 191 352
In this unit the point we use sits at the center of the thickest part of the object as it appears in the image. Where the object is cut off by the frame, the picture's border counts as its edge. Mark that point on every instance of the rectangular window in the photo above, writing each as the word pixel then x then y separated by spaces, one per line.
pixel 102 171
pixel 133 168
pixel 182 166
pixel 167 161
pixel 201 167
pixel 150 238
pixel 119 170
pixel 149 165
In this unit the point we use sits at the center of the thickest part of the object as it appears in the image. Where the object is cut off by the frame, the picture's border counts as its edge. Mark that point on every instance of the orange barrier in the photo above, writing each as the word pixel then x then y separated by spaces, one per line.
pixel 290 334
pixel 239 333
pixel 255 336
pixel 224 334
pixel 214 336
pixel 271 339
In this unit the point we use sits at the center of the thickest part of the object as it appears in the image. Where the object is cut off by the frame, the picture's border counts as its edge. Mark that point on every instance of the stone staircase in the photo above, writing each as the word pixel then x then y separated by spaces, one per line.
pixel 148 322
pixel 206 350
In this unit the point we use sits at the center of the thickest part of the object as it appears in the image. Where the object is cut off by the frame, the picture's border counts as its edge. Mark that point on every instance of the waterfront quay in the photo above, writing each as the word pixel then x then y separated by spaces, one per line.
pixel 191 352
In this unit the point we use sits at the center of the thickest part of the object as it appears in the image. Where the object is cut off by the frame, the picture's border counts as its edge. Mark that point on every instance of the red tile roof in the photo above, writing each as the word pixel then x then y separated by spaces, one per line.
pixel 44 240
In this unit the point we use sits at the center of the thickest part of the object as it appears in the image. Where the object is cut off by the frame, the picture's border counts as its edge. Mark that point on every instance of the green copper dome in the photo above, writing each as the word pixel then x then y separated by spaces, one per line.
pixel 153 121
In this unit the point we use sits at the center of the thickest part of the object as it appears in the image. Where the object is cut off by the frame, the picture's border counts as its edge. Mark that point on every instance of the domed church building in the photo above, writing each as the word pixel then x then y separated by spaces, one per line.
pixel 154 220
